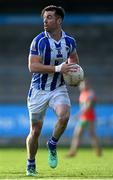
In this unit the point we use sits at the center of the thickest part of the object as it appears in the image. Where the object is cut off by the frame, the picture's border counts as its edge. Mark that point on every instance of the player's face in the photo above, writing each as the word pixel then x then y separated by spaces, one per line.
pixel 51 21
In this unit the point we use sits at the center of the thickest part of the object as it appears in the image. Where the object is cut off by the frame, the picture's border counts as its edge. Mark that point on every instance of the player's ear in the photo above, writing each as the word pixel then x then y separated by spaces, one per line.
pixel 59 20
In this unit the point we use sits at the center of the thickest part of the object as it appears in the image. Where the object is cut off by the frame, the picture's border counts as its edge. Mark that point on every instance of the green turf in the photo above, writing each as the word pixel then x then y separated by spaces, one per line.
pixel 84 166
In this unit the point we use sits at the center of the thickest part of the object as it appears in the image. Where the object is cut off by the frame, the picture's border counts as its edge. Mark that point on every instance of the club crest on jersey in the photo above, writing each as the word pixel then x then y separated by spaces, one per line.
pixel 58 48
pixel 59 55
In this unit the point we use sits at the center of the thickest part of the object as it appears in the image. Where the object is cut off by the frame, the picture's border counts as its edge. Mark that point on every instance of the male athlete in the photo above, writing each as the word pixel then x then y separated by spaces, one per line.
pixel 49 52
pixel 86 116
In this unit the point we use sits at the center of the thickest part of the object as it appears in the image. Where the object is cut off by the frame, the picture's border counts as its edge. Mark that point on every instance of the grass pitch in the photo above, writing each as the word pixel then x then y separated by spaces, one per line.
pixel 86 165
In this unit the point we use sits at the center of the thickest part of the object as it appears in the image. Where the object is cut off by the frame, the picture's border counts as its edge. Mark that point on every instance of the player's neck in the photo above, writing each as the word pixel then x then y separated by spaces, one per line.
pixel 56 35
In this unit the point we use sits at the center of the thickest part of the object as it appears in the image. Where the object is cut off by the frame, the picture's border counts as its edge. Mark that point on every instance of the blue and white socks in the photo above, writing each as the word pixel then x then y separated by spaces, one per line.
pixel 52 142
pixel 31 164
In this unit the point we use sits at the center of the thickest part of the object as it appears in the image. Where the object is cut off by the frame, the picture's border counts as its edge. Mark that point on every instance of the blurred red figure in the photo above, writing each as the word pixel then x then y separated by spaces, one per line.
pixel 86 116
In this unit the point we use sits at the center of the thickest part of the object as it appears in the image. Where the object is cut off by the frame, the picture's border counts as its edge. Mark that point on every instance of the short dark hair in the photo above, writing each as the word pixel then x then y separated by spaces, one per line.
pixel 58 10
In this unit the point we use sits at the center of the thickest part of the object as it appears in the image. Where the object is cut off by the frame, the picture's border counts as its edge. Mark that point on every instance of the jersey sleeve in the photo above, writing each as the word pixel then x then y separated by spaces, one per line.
pixel 36 48
pixel 73 45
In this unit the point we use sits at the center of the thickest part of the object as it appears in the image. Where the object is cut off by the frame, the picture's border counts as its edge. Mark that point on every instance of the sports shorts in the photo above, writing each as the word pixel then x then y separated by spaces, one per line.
pixel 40 100
pixel 85 124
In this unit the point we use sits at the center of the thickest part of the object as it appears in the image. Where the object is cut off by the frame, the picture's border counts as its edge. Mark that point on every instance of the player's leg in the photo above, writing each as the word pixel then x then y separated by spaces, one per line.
pixel 60 102
pixel 37 105
pixel 32 139
pixel 95 141
pixel 76 139
pixel 32 143
pixel 62 112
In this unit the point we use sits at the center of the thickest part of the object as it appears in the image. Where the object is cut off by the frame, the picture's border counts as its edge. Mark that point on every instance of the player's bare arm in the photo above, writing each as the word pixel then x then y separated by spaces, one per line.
pixel 73 58
pixel 88 105
pixel 35 65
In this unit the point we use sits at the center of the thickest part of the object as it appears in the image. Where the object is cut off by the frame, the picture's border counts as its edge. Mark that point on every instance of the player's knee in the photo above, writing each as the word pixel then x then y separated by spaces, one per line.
pixel 35 132
pixel 64 118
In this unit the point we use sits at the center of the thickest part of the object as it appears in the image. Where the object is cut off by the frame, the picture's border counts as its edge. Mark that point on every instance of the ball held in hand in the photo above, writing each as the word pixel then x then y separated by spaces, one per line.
pixel 74 78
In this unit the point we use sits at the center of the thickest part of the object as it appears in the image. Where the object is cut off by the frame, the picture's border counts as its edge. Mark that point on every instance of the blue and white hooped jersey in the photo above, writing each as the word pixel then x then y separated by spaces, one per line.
pixel 52 53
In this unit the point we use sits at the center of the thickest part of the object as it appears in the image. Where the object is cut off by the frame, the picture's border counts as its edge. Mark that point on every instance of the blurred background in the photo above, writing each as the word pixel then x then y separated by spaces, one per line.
pixel 91 23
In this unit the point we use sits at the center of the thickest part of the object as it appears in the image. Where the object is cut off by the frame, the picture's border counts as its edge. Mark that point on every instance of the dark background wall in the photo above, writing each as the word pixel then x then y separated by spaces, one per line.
pixel 95 47
pixel 71 6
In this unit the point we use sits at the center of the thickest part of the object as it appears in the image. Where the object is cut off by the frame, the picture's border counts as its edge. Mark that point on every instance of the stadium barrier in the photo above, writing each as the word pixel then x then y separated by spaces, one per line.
pixel 14 125
pixel 78 18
